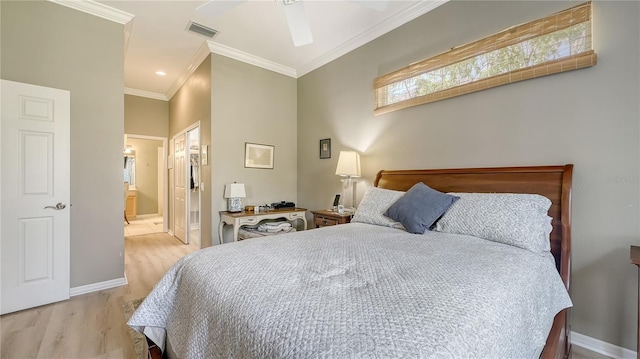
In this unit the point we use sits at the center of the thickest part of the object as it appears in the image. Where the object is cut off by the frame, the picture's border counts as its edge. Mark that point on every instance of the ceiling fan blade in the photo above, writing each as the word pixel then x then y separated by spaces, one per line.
pixel 298 23
pixel 372 4
pixel 214 8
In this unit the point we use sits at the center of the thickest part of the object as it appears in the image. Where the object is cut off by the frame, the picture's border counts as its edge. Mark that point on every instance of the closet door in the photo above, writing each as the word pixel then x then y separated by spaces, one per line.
pixel 180 187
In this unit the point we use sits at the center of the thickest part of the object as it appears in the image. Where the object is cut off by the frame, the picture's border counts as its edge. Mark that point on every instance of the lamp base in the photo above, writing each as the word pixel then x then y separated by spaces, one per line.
pixel 349 194
pixel 234 204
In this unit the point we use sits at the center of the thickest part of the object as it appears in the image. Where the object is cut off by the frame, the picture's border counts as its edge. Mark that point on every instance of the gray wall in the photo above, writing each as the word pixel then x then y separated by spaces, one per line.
pixel 146 116
pixel 42 45
pixel 251 104
pixel 192 103
pixel 588 117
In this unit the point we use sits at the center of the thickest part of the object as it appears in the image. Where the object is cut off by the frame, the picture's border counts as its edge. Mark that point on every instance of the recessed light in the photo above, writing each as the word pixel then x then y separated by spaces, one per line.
pixel 161 73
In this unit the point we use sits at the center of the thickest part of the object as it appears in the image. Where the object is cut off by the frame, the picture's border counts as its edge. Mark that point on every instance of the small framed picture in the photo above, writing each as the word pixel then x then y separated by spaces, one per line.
pixel 325 148
pixel 258 156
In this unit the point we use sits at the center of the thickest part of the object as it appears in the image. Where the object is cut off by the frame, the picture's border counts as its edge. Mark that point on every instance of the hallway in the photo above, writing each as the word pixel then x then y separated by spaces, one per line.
pixel 143 224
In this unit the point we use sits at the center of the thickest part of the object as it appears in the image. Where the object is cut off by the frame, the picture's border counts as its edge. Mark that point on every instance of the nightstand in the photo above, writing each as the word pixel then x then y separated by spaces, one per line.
pixel 324 218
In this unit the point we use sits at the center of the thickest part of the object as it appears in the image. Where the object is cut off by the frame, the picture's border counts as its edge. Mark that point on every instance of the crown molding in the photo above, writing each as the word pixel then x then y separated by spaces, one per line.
pixel 147 94
pixel 128 27
pixel 106 12
pixel 402 17
pixel 251 59
pixel 196 60
pixel 97 9
pixel 399 19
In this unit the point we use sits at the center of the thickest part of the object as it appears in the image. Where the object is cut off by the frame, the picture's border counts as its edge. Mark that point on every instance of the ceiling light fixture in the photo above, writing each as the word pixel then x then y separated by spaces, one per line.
pixel 161 73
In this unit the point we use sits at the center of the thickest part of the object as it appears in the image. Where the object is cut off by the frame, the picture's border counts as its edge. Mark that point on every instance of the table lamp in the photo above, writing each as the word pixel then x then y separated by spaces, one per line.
pixel 349 166
pixel 234 193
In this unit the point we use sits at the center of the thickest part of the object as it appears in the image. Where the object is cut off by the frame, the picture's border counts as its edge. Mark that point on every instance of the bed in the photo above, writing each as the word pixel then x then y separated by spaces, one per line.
pixel 369 290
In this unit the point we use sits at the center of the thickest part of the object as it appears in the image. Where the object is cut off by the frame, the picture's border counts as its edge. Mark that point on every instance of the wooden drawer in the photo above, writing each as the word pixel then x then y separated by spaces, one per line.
pixel 296 215
pixel 248 220
pixel 320 221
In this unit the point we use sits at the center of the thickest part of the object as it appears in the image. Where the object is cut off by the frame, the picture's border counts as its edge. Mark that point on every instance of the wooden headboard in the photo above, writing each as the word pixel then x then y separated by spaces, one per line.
pixel 553 182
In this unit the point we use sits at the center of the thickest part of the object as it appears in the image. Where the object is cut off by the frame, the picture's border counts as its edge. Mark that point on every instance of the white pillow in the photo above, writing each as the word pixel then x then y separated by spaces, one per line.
pixel 519 220
pixel 374 203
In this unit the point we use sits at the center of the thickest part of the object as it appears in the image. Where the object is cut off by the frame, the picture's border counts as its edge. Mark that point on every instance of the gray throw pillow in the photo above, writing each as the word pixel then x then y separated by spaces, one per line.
pixel 420 207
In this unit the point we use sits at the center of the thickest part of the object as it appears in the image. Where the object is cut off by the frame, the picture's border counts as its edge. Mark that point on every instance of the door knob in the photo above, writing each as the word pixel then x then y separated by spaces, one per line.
pixel 57 207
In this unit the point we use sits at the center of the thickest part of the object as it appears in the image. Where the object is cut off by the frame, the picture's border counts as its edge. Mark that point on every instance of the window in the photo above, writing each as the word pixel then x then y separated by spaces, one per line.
pixel 557 43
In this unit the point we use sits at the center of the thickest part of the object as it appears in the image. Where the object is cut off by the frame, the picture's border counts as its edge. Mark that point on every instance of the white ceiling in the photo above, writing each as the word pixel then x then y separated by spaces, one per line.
pixel 254 31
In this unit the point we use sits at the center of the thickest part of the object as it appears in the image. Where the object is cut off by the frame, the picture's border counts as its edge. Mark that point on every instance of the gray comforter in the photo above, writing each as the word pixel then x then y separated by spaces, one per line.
pixel 356 290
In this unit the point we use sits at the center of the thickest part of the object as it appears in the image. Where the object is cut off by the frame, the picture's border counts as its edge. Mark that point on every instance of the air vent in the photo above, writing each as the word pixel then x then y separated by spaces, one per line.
pixel 201 30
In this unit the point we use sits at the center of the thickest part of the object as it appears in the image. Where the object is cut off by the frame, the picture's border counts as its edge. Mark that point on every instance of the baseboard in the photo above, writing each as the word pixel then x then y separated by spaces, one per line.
pixel 84 289
pixel 601 347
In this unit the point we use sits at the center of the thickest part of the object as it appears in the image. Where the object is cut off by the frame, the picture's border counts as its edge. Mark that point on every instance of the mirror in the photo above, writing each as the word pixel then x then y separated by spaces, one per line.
pixel 130 168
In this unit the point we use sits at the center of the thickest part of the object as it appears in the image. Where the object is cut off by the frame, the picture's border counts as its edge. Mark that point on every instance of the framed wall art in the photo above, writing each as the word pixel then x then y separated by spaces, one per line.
pixel 258 156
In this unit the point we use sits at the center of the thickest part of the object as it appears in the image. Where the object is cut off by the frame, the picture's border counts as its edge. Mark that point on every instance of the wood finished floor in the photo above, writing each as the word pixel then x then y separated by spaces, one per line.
pixel 92 326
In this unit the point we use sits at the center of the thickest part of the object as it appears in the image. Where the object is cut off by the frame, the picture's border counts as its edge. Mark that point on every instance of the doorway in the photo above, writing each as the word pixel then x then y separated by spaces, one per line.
pixel 187 185
pixel 145 175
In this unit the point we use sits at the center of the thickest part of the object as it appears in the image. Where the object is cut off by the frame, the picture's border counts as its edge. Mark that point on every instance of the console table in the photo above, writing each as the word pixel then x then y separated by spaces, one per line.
pixel 239 219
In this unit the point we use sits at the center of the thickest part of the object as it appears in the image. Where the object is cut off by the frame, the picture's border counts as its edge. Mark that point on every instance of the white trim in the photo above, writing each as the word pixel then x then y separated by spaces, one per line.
pixel 89 288
pixel 106 12
pixel 601 347
pixel 196 60
pixel 402 17
pixel 145 137
pixel 147 94
pixel 97 9
pixel 187 129
pixel 128 27
pixel 251 59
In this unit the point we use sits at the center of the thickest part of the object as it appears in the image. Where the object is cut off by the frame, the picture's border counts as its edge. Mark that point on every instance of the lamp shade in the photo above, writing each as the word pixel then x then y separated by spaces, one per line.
pixel 234 190
pixel 348 164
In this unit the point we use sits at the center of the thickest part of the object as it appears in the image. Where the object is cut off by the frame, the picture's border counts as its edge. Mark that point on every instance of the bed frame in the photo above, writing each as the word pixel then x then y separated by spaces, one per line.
pixel 553 182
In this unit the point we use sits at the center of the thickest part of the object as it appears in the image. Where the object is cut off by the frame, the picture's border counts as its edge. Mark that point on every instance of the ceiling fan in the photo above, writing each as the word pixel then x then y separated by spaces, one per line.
pixel 294 12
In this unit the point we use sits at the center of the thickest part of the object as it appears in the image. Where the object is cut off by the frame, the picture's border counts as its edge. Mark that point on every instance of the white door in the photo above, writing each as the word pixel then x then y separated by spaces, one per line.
pixel 180 187
pixel 194 173
pixel 35 193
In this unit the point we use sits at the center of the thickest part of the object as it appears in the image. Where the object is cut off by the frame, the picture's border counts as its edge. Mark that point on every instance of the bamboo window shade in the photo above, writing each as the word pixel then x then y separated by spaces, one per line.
pixel 557 43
